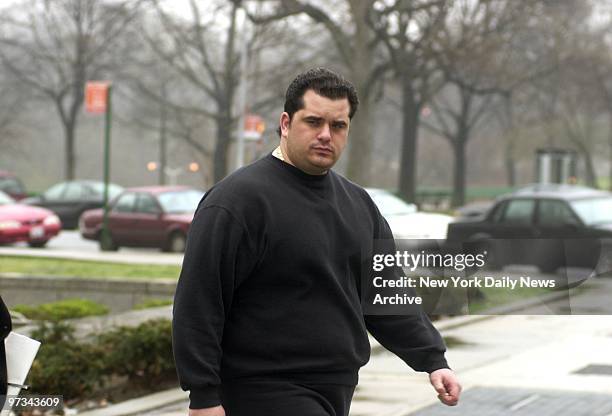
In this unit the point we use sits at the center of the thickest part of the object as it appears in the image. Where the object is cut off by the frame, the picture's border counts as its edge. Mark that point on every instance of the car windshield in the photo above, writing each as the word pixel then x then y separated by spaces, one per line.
pixel 5 199
pixel 179 202
pixel 390 205
pixel 113 190
pixel 594 211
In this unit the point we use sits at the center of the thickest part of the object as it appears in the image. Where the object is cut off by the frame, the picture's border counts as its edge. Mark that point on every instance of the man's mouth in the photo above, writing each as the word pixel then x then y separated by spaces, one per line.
pixel 323 150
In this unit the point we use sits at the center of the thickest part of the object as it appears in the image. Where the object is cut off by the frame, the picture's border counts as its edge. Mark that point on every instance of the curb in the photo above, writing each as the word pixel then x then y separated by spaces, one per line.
pixel 156 258
pixel 141 404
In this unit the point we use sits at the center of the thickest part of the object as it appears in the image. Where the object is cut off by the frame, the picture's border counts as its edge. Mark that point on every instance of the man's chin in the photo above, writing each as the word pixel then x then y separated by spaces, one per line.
pixel 323 164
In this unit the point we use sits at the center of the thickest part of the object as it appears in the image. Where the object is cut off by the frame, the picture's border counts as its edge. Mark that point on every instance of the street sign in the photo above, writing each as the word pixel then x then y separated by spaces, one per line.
pixel 254 126
pixel 96 95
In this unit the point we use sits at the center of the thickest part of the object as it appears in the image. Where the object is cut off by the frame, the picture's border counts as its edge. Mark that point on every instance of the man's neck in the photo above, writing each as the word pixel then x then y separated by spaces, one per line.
pixel 280 154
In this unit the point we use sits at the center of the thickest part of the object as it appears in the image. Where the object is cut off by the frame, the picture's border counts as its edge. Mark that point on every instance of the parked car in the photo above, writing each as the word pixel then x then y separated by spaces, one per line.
pixel 473 210
pixel 546 226
pixel 70 199
pixel 18 222
pixel 156 216
pixel 12 185
pixel 405 220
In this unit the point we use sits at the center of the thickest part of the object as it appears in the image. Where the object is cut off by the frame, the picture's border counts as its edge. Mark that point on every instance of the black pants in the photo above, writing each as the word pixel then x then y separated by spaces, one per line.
pixel 282 398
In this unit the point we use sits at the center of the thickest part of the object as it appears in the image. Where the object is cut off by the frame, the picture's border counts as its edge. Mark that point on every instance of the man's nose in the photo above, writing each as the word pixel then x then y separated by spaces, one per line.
pixel 325 133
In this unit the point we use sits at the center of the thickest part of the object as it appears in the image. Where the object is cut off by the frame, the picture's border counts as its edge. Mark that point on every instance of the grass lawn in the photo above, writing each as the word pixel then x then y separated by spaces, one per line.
pixel 42 266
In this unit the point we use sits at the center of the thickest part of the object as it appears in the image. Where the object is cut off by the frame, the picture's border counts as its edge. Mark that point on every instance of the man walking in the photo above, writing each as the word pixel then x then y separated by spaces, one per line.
pixel 267 313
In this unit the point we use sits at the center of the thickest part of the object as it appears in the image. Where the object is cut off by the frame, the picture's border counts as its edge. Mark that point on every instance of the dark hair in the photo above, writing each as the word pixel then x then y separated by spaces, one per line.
pixel 324 82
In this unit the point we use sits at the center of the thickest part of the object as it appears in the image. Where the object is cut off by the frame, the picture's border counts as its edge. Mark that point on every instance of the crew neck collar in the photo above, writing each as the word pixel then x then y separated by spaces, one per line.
pixel 296 171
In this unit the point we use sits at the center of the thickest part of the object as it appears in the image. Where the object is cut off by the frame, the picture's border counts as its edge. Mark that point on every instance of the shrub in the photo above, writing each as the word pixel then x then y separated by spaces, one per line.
pixel 153 303
pixel 142 353
pixel 63 366
pixel 74 369
pixel 63 309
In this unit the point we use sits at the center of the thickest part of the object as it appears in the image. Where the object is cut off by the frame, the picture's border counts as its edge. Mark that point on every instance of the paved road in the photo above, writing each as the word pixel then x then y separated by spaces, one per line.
pixel 70 244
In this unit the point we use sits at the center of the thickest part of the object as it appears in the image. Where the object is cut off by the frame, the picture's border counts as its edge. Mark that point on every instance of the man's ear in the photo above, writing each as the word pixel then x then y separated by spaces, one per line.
pixel 284 124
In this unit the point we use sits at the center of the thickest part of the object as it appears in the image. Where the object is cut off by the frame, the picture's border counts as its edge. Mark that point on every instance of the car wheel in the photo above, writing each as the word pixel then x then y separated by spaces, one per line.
pixel 106 242
pixel 493 262
pixel 176 243
pixel 493 259
pixel 38 244
pixel 548 266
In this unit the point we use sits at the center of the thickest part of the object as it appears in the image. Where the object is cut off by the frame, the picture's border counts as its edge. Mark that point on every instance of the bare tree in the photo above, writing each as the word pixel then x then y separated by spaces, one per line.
pixel 585 98
pixel 600 68
pixel 56 47
pixel 408 30
pixel 207 61
pixel 572 99
pixel 355 46
pixel 475 59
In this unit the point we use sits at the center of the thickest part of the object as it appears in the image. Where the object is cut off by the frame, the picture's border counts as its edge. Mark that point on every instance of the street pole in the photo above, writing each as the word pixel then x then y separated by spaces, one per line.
pixel 106 238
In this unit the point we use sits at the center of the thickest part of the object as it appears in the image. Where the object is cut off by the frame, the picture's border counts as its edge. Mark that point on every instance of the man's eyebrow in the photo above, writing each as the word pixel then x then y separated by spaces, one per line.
pixel 313 117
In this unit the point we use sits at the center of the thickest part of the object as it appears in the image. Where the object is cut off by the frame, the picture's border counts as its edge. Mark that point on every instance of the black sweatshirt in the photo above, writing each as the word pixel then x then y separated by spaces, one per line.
pixel 269 285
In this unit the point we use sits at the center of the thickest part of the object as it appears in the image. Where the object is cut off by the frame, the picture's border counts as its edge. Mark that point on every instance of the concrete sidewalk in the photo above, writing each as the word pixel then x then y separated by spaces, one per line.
pixel 516 364
pixel 508 361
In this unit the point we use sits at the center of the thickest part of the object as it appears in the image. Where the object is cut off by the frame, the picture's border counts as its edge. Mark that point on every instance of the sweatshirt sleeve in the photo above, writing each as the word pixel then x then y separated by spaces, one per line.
pixel 411 337
pixel 217 258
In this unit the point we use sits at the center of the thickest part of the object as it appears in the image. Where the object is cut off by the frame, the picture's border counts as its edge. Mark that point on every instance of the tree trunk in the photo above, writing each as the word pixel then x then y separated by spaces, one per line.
pixel 410 131
pixel 69 173
pixel 610 144
pixel 509 160
pixel 222 142
pixel 510 164
pixel 225 103
pixel 591 176
pixel 163 149
pixel 359 166
pixel 459 168
pixel 360 145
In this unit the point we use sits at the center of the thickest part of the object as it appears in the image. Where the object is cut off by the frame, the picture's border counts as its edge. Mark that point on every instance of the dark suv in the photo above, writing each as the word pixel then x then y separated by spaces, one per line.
pixel 548 226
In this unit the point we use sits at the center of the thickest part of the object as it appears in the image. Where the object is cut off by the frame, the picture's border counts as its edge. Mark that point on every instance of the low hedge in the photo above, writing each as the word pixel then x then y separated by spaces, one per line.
pixel 77 370
pixel 142 353
pixel 63 309
pixel 64 366
pixel 152 303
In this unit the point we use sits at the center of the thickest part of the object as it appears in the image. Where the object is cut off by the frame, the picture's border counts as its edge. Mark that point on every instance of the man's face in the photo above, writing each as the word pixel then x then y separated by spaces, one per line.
pixel 315 138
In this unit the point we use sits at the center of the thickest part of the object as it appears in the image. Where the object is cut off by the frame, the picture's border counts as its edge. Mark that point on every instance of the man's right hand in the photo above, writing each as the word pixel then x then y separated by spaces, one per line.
pixel 209 411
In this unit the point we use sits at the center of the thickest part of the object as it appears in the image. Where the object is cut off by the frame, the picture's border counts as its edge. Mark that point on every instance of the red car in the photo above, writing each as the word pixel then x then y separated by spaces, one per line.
pixel 19 222
pixel 156 216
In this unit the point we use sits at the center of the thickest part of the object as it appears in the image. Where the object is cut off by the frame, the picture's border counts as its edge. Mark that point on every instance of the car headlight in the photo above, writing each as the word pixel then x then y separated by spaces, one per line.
pixel 51 220
pixel 9 225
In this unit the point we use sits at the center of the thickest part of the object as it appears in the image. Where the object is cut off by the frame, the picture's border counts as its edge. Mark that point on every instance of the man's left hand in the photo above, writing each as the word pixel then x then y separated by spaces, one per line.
pixel 446 384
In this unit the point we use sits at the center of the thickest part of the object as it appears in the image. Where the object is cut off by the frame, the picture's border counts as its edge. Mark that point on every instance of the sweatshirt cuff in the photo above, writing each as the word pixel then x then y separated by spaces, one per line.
pixel 436 364
pixel 204 397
